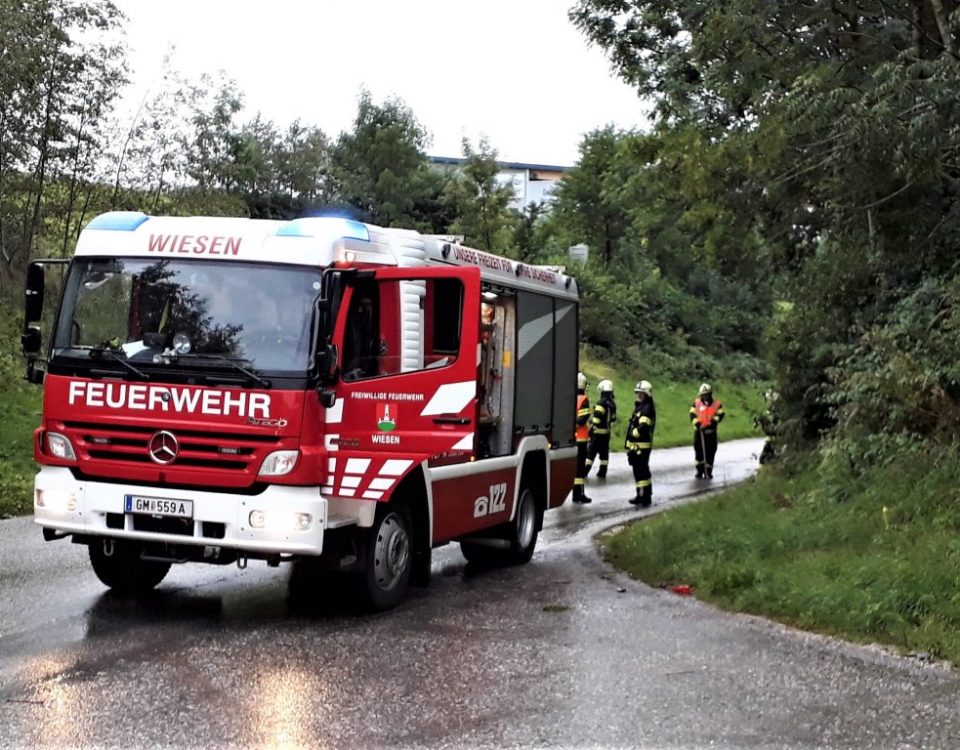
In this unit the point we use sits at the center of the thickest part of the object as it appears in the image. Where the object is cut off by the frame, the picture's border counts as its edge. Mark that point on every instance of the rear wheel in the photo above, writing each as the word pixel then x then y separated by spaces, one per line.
pixel 518 541
pixel 387 557
pixel 118 565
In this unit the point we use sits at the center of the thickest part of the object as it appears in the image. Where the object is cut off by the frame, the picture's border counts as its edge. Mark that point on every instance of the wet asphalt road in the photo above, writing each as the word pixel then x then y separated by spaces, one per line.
pixel 564 652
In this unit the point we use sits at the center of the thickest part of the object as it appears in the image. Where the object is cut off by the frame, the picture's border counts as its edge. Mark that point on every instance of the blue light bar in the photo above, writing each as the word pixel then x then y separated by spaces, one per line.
pixel 118 221
pixel 325 225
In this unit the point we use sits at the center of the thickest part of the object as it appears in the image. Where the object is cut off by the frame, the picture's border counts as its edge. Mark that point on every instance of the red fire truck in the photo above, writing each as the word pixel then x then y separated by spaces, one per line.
pixel 220 389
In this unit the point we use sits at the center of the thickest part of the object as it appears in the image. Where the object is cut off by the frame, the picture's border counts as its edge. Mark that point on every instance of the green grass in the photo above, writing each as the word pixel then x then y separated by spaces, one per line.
pixel 741 402
pixel 873 559
pixel 19 415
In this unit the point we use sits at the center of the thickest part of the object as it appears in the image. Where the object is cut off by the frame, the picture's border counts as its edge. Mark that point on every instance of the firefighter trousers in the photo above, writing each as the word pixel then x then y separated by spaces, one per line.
pixel 581 478
pixel 640 463
pixel 599 446
pixel 705 449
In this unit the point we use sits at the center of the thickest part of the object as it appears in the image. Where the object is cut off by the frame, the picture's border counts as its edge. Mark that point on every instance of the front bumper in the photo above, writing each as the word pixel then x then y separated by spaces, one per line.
pixel 82 507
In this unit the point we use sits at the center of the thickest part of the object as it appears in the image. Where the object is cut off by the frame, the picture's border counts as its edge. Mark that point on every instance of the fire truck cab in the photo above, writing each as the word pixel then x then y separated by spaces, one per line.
pixel 219 389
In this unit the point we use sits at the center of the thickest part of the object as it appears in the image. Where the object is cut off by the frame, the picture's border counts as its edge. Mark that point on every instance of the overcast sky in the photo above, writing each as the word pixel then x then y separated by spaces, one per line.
pixel 516 71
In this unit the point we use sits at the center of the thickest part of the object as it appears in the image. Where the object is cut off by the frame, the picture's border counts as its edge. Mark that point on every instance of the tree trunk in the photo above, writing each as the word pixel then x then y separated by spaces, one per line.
pixel 942 10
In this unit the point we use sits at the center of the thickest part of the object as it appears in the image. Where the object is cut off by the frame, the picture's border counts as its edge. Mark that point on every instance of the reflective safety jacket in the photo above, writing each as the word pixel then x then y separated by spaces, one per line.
pixel 583 417
pixel 640 428
pixel 604 415
pixel 706 415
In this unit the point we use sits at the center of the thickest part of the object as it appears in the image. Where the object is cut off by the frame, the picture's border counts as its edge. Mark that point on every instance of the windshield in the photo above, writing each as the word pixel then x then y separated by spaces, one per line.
pixel 140 308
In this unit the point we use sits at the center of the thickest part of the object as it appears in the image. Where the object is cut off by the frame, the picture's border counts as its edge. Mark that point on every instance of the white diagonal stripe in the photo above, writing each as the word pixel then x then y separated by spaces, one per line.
pixel 394 467
pixel 465 444
pixel 357 465
pixel 381 484
pixel 372 495
pixel 350 481
pixel 450 398
pixel 531 332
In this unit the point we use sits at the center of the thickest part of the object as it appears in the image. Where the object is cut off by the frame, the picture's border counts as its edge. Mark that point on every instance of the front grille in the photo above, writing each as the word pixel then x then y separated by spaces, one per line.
pixel 159 525
pixel 223 451
pixel 181 526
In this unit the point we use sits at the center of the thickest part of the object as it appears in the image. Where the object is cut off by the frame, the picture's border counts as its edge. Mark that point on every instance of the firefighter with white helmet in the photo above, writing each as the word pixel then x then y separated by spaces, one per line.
pixel 601 423
pixel 639 442
pixel 583 438
pixel 705 414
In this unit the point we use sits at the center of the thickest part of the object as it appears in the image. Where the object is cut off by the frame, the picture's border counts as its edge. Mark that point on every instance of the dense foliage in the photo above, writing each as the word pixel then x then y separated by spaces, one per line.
pixel 819 140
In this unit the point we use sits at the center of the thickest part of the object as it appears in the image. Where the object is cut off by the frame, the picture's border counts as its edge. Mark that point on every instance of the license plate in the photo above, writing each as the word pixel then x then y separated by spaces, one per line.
pixel 158 506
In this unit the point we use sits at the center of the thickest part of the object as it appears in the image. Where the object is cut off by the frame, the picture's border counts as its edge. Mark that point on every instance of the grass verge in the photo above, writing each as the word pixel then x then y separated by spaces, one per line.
pixel 19 415
pixel 871 559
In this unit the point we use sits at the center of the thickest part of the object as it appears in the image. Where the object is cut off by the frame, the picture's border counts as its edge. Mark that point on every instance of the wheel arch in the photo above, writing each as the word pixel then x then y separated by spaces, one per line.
pixel 415 491
pixel 533 474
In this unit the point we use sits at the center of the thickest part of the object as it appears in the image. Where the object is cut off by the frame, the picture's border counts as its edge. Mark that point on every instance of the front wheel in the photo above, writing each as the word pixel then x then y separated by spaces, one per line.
pixel 118 565
pixel 387 557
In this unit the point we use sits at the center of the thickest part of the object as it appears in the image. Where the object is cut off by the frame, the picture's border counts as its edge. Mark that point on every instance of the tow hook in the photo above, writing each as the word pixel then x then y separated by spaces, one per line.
pixel 242 562
pixel 108 547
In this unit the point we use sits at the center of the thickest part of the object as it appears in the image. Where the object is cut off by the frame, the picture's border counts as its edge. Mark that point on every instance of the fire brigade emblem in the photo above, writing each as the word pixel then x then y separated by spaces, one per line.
pixel 386 417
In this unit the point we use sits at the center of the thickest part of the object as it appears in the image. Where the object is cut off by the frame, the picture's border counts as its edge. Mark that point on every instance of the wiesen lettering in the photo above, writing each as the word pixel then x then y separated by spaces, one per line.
pixel 386 439
pixel 194 244
pixel 140 397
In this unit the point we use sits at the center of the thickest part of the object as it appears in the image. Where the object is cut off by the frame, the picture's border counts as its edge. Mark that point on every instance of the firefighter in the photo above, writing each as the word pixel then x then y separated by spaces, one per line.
pixel 583 436
pixel 604 415
pixel 639 442
pixel 705 414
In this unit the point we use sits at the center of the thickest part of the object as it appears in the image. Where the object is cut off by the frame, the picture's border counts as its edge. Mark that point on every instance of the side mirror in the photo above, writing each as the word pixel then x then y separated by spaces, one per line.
pixel 31 340
pixel 328 398
pixel 33 294
pixel 328 359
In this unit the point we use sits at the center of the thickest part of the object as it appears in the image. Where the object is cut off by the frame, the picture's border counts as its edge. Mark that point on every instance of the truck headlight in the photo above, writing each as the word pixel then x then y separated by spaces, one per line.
pixel 279 463
pixel 57 501
pixel 59 446
pixel 280 521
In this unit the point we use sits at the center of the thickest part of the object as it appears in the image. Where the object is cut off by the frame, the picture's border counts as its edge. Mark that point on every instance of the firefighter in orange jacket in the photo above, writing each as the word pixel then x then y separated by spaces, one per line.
pixel 583 438
pixel 705 414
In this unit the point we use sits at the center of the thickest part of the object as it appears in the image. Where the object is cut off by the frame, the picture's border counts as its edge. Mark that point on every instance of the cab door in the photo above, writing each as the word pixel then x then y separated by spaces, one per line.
pixel 407 387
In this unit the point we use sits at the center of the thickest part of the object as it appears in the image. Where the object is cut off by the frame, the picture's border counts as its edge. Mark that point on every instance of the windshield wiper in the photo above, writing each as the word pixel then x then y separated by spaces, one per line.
pixel 100 351
pixel 235 364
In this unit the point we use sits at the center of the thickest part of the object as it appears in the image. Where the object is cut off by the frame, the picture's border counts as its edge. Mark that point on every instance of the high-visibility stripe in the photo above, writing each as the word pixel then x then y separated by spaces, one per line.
pixel 645 420
pixel 638 446
pixel 644 483
pixel 579 481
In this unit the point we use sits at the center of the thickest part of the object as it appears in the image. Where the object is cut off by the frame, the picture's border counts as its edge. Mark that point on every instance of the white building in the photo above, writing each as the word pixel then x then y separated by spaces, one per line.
pixel 532 183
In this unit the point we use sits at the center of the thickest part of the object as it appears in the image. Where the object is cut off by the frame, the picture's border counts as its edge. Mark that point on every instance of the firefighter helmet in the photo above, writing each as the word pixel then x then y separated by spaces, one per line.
pixel 644 386
pixel 581 381
pixel 605 386
pixel 705 389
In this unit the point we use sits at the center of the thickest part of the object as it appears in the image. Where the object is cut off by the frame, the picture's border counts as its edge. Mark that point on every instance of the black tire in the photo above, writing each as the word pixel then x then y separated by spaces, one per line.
pixel 386 557
pixel 520 536
pixel 123 570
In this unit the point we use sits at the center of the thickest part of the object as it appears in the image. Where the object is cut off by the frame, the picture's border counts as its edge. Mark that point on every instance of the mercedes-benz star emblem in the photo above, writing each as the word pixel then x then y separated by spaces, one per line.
pixel 164 447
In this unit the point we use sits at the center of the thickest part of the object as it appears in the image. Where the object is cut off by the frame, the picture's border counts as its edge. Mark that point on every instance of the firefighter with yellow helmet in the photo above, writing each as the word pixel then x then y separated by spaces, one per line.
pixel 583 437
pixel 639 442
pixel 705 414
pixel 601 423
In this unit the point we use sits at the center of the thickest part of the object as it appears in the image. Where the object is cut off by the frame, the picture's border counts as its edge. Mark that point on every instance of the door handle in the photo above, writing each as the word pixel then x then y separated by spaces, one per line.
pixel 451 420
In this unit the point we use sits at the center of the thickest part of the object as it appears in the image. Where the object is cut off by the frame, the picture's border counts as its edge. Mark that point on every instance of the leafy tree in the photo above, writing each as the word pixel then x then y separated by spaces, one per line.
pixel 484 217
pixel 56 86
pixel 379 170
pixel 825 137
pixel 589 200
